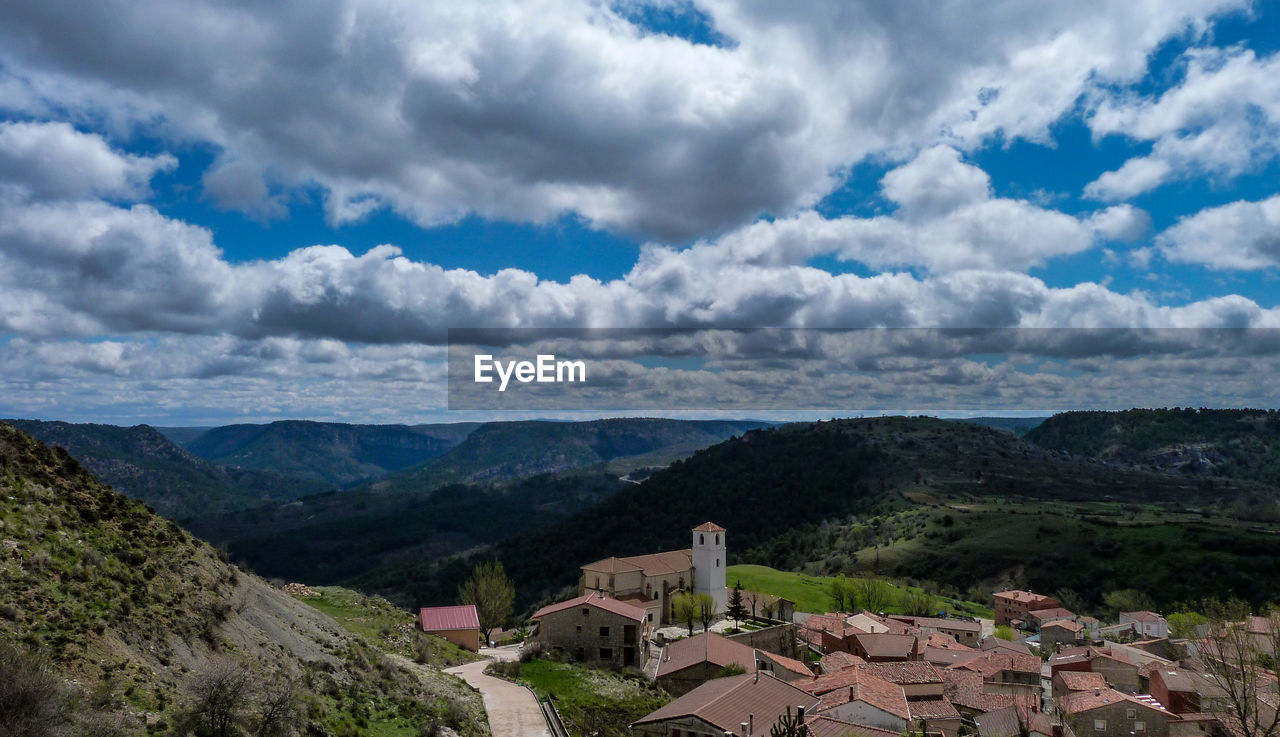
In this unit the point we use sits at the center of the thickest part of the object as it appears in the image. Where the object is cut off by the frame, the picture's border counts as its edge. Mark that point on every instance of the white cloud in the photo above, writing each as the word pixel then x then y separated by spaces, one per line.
pixel 55 160
pixel 525 111
pixel 1239 235
pixel 1222 120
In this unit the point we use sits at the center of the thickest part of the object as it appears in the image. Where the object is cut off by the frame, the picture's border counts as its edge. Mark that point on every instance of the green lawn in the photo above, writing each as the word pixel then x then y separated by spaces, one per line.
pixel 810 592
pixel 591 701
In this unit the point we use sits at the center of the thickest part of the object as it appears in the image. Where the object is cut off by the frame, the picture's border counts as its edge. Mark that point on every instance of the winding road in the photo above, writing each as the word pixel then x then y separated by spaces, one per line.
pixel 513 710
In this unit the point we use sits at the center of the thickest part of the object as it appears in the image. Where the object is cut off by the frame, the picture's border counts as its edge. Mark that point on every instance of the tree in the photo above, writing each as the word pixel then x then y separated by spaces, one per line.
pixel 769 607
pixel 1237 652
pixel 685 609
pixel 227 699
pixel 1070 599
pixel 706 610
pixel 736 611
pixel 1004 632
pixel 1182 625
pixel 843 596
pixel 1127 600
pixel 874 593
pixel 492 592
pixel 730 670
pixel 918 602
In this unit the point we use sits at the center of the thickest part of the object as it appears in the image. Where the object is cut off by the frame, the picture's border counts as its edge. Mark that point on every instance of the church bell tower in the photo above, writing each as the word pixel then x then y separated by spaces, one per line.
pixel 709 561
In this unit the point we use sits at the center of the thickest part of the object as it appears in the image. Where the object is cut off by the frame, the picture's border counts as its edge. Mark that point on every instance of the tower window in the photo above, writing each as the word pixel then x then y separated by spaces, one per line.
pixel 717 538
pixel 702 539
pixel 717 562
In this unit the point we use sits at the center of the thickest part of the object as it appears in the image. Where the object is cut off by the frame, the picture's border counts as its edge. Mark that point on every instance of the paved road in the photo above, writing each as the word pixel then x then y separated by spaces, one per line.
pixel 513 711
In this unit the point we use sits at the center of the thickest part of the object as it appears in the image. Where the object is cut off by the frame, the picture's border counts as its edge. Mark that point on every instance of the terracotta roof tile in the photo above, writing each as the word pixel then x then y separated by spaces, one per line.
pixel 1082 701
pixel 708 527
pixel 821 725
pixel 932 709
pixel 834 662
pixel 857 684
pixel 706 647
pixel 912 672
pixel 594 599
pixel 795 666
pixel 1082 681
pixel 726 702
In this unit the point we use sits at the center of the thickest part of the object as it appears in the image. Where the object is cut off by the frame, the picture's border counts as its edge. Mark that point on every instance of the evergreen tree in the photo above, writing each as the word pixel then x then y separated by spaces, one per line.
pixel 736 611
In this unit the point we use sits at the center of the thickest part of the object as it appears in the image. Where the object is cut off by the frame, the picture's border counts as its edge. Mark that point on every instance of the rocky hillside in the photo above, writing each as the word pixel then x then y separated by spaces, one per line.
pixel 146 623
pixel 144 464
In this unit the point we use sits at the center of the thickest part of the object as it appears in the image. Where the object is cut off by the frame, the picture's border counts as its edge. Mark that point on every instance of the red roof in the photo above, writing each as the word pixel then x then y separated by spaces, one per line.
pixel 595 599
pixel 795 666
pixel 725 703
pixel 858 685
pixel 1082 680
pixel 438 618
pixel 1082 701
pixel 1143 616
pixel 821 725
pixel 706 647
pixel 708 527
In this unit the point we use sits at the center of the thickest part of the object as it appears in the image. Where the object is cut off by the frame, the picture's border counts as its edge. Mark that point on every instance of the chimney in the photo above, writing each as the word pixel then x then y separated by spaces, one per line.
pixel 800 713
pixel 751 724
pixel 746 729
pixel 1097 692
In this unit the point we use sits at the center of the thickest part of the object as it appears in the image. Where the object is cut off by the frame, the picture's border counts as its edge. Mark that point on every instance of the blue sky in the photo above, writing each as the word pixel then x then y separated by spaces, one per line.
pixel 212 212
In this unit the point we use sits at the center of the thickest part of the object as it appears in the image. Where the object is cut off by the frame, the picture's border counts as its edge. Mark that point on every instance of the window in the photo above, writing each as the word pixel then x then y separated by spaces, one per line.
pixel 1139 726
pixel 606 653
pixel 585 611
pixel 702 539
pixel 604 631
pixel 1099 725
pixel 1131 713
pixel 578 627
pixel 717 538
pixel 717 562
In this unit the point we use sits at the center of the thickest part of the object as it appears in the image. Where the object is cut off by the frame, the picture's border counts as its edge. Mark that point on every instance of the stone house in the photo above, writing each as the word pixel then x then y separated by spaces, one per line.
pixel 1060 632
pixel 745 706
pixel 595 629
pixel 1013 606
pixel 1070 681
pixel 1120 672
pixel 859 696
pixel 962 631
pixel 1184 691
pixel 689 663
pixel 1109 713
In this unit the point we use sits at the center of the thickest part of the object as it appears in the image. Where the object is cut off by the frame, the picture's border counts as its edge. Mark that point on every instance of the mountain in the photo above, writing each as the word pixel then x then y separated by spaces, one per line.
pixel 141 462
pixel 182 435
pixel 498 452
pixel 329 538
pixel 102 598
pixel 329 453
pixel 876 495
pixel 1232 443
pixel 1016 425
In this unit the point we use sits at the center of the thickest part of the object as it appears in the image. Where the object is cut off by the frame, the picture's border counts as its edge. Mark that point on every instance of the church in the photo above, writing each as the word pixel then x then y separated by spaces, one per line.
pixel 650 581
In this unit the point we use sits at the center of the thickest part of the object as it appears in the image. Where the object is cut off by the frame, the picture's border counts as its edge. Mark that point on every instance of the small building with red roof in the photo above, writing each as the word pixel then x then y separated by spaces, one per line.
pixel 457 624
pixel 596 629
pixel 689 663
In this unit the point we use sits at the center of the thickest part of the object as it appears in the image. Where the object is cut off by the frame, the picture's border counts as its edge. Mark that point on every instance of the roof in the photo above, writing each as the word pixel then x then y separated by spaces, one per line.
pixel 875 624
pixel 795 666
pixel 706 647
pixel 1143 616
pixel 1020 597
pixel 838 660
pixel 439 618
pixel 995 643
pixel 912 672
pixel 885 645
pixel 1181 679
pixel 1075 680
pixel 821 725
pixel 941 623
pixel 1007 722
pixel 946 657
pixel 857 684
pixel 725 703
pixel 942 642
pixel 932 709
pixel 1086 654
pixel 994 661
pixel 965 688
pixel 1082 701
pixel 708 527
pixel 654 564
pixel 595 599
pixel 1065 624
pixel 1056 612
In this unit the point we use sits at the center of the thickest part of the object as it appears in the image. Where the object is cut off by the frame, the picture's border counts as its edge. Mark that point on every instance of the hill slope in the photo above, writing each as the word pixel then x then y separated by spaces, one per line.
pixel 142 463
pixel 1241 444
pixel 328 452
pixel 502 451
pixel 131 607
pixel 834 493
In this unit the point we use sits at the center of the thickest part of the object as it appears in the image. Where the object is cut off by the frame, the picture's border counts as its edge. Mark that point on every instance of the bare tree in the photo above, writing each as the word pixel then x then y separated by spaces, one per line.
pixel 1238 651
pixel 685 609
pixel 873 592
pixel 33 699
pixel 706 610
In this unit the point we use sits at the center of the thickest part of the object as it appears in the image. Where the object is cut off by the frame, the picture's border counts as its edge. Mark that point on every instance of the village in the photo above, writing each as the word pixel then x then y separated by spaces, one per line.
pixel 757 666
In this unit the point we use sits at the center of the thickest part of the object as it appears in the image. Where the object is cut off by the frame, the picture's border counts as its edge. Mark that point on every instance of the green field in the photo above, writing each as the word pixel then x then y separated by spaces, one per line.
pixel 386 625
pixel 590 701
pixel 810 592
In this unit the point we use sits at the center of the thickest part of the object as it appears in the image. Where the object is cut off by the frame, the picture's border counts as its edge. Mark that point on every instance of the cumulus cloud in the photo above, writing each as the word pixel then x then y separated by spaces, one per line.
pixel 44 160
pixel 1239 235
pixel 946 220
pixel 525 111
pixel 1222 120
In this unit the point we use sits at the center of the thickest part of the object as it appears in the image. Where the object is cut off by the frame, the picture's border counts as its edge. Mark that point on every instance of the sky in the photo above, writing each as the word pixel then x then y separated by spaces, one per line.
pixel 237 211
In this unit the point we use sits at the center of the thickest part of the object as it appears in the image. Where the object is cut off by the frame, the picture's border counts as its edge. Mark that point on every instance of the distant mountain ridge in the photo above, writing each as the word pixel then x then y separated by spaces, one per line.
pixel 498 452
pixel 330 453
pixel 1229 443
pixel 141 462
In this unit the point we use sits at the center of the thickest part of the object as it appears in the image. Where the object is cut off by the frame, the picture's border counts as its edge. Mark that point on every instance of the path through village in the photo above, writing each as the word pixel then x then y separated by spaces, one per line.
pixel 513 710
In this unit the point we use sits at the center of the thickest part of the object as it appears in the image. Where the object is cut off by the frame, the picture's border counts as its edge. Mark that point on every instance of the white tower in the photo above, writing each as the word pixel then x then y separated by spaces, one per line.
pixel 709 561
